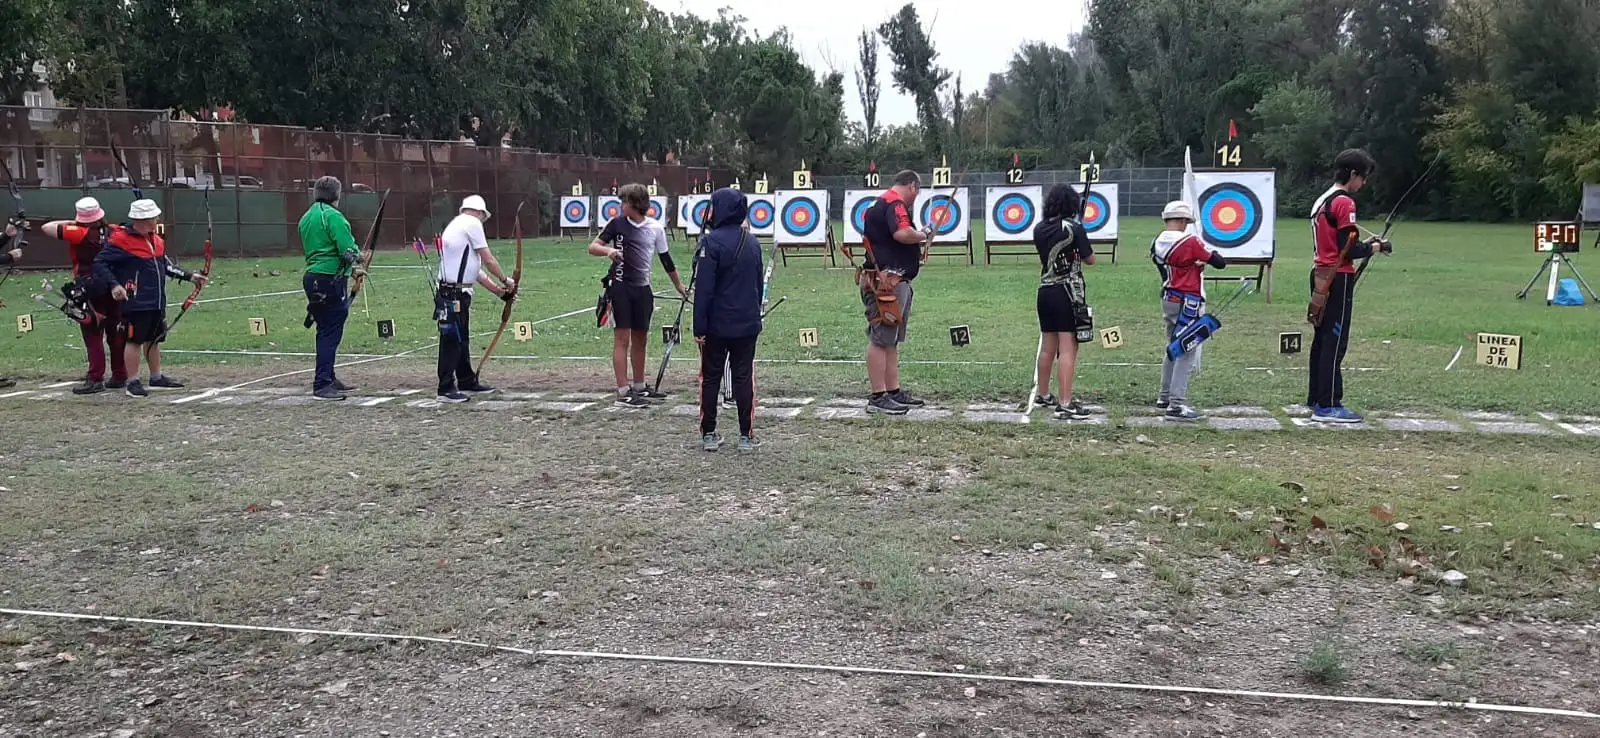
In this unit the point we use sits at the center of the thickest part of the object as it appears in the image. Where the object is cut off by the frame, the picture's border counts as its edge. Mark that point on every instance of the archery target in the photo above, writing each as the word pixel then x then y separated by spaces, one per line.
pixel 946 211
pixel 658 209
pixel 687 206
pixel 576 212
pixel 763 214
pixel 856 204
pixel 1101 216
pixel 802 217
pixel 1012 212
pixel 609 207
pixel 1237 212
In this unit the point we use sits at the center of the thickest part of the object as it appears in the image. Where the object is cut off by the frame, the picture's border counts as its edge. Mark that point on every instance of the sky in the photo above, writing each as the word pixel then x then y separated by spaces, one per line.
pixel 974 39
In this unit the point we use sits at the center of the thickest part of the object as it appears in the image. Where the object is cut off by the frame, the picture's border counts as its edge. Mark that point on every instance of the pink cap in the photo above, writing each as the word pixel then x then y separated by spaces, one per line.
pixel 89 211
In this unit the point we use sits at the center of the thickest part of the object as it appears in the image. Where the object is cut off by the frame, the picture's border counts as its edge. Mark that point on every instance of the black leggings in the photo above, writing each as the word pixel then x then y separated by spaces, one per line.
pixel 739 354
pixel 1329 342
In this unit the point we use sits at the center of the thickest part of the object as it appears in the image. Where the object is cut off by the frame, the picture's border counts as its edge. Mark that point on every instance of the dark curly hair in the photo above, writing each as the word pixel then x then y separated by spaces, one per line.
pixel 1062 202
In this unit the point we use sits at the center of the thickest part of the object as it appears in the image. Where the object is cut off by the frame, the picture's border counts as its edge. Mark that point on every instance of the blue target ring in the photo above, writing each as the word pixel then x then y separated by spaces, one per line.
pixel 1230 215
pixel 858 214
pixel 702 209
pixel 801 216
pixel 577 211
pixel 761 214
pixel 611 210
pixel 943 213
pixel 1096 212
pixel 1013 214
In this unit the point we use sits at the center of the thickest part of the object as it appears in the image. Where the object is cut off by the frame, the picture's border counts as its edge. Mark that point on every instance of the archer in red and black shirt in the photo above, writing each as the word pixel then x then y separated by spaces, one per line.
pixel 102 338
pixel 894 249
pixel 1338 244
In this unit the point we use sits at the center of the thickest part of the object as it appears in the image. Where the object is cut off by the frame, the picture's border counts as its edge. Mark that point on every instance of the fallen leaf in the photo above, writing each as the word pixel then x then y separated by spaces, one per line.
pixel 866 584
pixel 250 508
pixel 1272 539
pixel 1375 557
pixel 1454 578
pixel 1317 522
pixel 1263 560
pixel 1293 487
pixel 1381 512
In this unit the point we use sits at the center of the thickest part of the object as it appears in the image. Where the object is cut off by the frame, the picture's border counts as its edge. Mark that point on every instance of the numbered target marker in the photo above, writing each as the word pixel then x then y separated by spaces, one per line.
pixel 522 331
pixel 652 189
pixel 577 190
pixel 1289 343
pixel 1089 173
pixel 24 323
pixel 1015 175
pixel 872 180
pixel 258 326
pixel 960 335
pixel 670 334
pixel 808 338
pixel 802 178
pixel 941 177
pixel 385 329
pixel 708 188
pixel 1111 338
pixel 1229 155
pixel 762 186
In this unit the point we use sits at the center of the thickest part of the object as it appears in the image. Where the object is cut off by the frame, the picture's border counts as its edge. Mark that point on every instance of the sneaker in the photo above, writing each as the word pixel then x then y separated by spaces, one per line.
pixel 1163 404
pixel 711 441
pixel 1077 407
pixel 1071 411
pixel 650 393
pixel 332 392
pixel 1335 415
pixel 135 389
pixel 165 382
pixel 451 397
pixel 749 443
pixel 116 383
pixel 632 400
pixel 1046 401
pixel 901 397
pixel 89 388
pixel 342 387
pixel 1182 413
pixel 477 388
pixel 7 382
pixel 886 405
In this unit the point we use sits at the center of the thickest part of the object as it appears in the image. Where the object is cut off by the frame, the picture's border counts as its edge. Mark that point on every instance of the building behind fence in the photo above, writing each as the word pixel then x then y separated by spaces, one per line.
pixel 257 179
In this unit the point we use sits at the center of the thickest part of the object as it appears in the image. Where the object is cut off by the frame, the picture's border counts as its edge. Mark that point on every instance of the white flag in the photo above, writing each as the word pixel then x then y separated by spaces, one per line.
pixel 1190 194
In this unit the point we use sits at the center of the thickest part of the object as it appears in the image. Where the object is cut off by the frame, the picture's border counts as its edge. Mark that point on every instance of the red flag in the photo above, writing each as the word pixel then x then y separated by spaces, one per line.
pixel 1233 130
pixel 872 167
pixel 1015 160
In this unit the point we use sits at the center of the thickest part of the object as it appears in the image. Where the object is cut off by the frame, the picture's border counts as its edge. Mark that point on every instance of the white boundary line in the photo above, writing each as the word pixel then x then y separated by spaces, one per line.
pixel 1041 681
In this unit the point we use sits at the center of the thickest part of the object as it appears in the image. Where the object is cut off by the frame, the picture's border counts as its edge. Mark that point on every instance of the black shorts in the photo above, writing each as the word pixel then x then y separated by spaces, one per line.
pixel 1057 313
pixel 145 326
pixel 631 306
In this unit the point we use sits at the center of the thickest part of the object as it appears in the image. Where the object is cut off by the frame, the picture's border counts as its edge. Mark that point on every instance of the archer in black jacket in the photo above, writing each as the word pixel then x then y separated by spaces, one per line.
pixel 727 313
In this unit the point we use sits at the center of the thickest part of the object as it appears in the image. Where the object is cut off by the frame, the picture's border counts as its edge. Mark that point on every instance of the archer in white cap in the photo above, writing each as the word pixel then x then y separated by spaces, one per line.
pixel 85 235
pixel 464 260
pixel 134 263
pixel 1181 257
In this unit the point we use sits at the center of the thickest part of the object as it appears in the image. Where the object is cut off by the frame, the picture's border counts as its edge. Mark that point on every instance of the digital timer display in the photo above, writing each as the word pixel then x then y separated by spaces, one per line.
pixel 1560 237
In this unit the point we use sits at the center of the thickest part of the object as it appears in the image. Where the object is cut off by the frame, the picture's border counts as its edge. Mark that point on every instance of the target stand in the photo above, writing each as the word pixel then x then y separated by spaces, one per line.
pixel 828 249
pixel 1560 241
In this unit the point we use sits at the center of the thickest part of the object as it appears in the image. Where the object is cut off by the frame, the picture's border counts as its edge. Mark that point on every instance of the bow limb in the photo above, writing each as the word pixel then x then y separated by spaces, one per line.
pixel 1388 221
pixel 511 298
pixel 22 217
pixel 205 269
pixel 370 247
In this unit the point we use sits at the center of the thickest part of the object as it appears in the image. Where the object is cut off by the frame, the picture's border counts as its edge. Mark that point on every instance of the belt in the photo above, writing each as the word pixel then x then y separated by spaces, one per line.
pixel 454 284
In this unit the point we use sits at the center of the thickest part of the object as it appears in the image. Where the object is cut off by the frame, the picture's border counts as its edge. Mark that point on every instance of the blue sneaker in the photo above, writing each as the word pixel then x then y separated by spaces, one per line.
pixel 1335 415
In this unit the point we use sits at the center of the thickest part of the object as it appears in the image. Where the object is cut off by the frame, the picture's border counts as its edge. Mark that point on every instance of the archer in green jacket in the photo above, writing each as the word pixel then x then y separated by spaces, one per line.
pixel 331 256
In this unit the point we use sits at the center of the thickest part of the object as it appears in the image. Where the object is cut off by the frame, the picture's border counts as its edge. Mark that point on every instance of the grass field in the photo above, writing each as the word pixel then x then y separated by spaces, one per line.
pixel 1445 282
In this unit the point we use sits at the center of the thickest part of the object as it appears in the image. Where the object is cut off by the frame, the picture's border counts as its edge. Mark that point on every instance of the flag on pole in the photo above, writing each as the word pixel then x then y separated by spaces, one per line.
pixel 1233 130
pixel 1190 194
pixel 1015 160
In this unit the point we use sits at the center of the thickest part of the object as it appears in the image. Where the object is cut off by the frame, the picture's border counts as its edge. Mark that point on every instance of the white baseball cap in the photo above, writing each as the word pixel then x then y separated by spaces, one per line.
pixel 1177 210
pixel 89 210
pixel 474 202
pixel 144 210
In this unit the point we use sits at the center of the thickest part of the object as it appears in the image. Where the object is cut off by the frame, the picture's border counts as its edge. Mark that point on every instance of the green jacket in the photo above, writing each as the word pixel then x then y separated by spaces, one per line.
pixel 330 247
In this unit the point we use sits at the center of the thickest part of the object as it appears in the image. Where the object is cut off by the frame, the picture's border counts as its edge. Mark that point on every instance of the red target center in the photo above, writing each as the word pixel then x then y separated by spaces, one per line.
pixel 1091 211
pixel 1014 213
pixel 802 216
pixel 1226 215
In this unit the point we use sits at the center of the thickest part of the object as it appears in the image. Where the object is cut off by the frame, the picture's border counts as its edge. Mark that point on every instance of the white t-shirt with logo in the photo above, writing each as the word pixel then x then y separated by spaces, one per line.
pixel 463 236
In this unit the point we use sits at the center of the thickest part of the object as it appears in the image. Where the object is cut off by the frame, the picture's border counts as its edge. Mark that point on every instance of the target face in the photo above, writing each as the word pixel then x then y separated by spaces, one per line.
pixel 801 216
pixel 577 211
pixel 702 210
pixel 1013 214
pixel 943 213
pixel 654 211
pixel 1096 212
pixel 1229 215
pixel 858 214
pixel 611 209
pixel 761 214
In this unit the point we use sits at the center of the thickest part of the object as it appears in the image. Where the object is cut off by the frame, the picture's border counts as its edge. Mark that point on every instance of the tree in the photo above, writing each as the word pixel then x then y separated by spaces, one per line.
pixel 915 73
pixel 868 86
pixel 1548 58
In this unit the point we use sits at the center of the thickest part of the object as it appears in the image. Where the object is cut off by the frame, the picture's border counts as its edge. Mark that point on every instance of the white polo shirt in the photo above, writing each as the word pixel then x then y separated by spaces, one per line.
pixel 462 237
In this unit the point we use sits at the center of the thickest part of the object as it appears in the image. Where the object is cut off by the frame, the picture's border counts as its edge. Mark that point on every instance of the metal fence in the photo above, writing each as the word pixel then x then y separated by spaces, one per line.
pixel 1143 191
pixel 256 179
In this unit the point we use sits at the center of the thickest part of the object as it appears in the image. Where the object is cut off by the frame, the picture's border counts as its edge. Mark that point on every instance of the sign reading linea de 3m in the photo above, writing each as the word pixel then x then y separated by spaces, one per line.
pixel 1500 351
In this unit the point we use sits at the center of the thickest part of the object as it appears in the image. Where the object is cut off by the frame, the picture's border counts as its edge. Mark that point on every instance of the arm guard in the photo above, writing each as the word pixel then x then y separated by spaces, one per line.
pixel 1217 261
pixel 666 262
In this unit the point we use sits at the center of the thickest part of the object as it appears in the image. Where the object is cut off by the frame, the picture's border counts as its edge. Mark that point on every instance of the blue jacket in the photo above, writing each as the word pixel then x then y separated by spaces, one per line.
pixel 139 263
pixel 727 292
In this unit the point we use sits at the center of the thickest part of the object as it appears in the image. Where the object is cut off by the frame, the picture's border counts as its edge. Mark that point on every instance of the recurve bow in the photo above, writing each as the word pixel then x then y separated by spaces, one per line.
pixel 511 297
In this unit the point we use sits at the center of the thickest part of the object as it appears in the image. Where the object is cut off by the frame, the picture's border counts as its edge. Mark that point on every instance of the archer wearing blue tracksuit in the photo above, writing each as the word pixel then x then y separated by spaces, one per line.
pixel 727 314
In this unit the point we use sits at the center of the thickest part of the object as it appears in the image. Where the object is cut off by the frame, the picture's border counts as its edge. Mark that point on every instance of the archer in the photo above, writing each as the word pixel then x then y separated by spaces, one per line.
pixel 462 261
pixel 135 263
pixel 1333 282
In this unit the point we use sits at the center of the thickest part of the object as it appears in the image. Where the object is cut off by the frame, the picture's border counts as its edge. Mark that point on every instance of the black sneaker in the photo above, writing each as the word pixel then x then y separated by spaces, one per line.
pixel 7 382
pixel 116 383
pixel 1162 404
pixel 1181 413
pixel 451 397
pixel 331 393
pixel 89 388
pixel 901 397
pixel 651 393
pixel 1076 407
pixel 342 387
pixel 886 405
pixel 633 400
pixel 1071 411
pixel 165 382
pixel 1047 401
pixel 477 388
pixel 135 389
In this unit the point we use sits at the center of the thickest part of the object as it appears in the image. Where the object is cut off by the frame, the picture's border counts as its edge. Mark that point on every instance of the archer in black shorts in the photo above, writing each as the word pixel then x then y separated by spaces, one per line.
pixel 629 240
pixel 1063 307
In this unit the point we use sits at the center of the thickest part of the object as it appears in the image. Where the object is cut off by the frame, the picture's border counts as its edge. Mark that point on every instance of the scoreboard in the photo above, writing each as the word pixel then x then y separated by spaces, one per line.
pixel 1560 237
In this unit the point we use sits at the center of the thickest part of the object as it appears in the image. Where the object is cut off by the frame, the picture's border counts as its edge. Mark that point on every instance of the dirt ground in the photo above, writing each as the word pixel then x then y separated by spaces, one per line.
pixel 927 547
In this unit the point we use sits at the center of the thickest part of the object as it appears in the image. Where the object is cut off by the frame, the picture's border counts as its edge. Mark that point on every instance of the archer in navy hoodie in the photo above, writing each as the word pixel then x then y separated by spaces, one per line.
pixel 727 313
